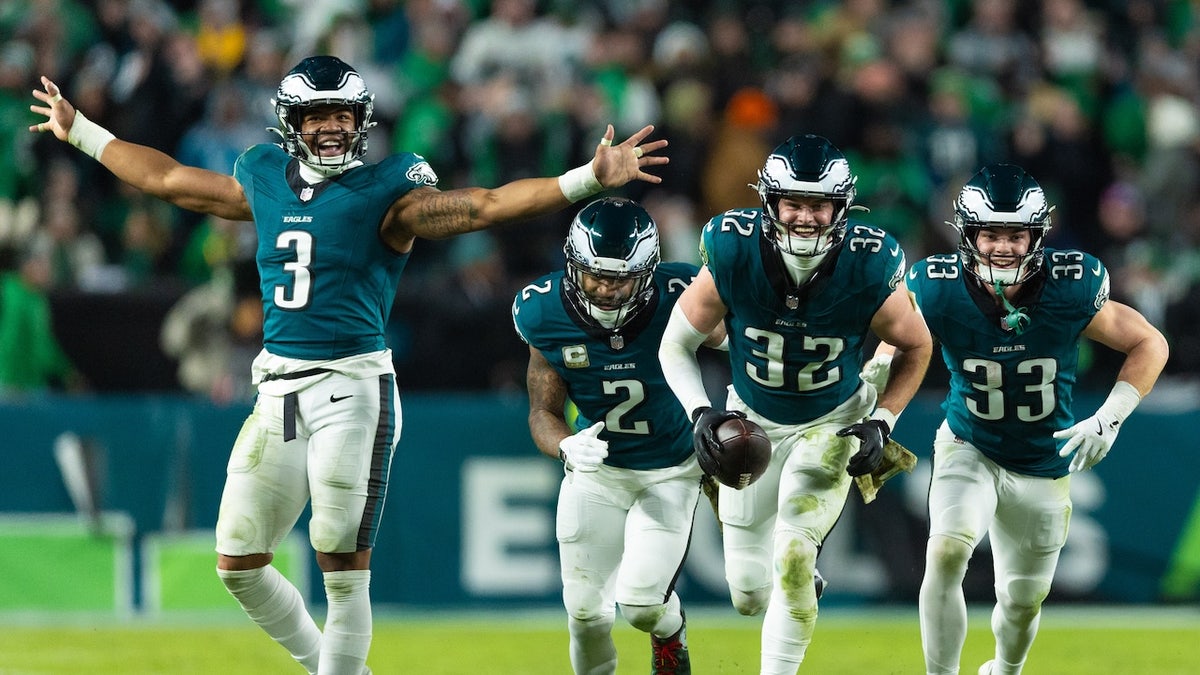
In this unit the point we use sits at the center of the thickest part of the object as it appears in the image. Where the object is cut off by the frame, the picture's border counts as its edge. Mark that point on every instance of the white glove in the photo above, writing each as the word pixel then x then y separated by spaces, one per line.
pixel 1091 439
pixel 875 372
pixel 583 451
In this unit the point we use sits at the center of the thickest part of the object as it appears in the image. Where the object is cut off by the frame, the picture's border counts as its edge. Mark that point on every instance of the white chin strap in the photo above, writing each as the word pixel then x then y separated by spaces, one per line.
pixel 801 268
pixel 315 173
pixel 606 317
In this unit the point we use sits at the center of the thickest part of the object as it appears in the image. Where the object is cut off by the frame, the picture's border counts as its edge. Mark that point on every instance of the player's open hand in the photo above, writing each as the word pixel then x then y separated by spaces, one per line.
pixel 616 165
pixel 60 112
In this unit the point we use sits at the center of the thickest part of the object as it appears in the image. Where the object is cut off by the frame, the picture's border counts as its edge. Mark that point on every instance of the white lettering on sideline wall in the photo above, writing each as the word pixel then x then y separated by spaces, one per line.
pixel 508 543
pixel 509 548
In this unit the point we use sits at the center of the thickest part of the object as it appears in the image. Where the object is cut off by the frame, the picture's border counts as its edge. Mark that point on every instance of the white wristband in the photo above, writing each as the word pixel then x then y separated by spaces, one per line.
pixel 579 183
pixel 89 137
pixel 1121 401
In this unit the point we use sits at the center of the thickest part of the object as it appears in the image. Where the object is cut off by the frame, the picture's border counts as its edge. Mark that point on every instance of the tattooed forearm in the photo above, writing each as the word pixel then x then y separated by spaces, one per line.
pixel 445 214
pixel 547 395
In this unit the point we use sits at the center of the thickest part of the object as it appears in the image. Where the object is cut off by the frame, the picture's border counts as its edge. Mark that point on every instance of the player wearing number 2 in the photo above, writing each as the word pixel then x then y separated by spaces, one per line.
pixel 797 285
pixel 626 504
pixel 1009 314
pixel 334 234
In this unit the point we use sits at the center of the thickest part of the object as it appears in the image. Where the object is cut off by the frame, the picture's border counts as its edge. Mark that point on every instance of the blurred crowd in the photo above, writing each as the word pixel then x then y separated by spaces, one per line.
pixel 1099 100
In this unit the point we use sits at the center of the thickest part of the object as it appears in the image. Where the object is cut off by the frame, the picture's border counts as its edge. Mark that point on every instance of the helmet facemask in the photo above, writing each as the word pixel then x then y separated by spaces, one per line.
pixel 323 81
pixel 805 167
pixel 611 239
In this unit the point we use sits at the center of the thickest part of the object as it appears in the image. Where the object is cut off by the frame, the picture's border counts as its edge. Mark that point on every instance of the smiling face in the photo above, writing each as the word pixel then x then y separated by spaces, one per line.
pixel 327 129
pixel 1003 246
pixel 803 224
pixel 1002 253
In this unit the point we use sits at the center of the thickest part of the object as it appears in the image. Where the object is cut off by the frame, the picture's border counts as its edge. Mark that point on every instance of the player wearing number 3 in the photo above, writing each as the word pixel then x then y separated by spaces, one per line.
pixel 797 285
pixel 1009 314
pixel 334 234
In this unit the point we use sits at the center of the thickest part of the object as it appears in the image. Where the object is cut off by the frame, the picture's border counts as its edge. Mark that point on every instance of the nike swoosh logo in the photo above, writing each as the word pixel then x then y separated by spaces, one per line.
pixel 896 251
pixel 1097 270
pixel 335 399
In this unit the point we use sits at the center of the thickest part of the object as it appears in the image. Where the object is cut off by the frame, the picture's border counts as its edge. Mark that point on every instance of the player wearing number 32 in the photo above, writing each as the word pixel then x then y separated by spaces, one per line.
pixel 797 285
pixel 1009 314
pixel 627 502
pixel 334 234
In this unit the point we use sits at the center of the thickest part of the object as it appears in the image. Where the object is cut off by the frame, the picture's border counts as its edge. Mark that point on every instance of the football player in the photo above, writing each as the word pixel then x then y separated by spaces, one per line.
pixel 798 285
pixel 1009 314
pixel 334 234
pixel 627 501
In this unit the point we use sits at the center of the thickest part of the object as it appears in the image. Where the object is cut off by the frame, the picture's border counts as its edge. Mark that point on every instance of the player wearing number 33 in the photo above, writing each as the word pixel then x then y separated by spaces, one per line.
pixel 627 502
pixel 797 285
pixel 1009 314
pixel 334 234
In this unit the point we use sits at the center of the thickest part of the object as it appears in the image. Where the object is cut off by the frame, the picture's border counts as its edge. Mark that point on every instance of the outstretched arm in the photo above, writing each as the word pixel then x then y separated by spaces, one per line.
pixel 432 214
pixel 142 167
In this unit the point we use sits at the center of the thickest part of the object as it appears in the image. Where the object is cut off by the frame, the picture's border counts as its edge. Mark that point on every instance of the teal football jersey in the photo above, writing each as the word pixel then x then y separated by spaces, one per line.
pixel 795 354
pixel 645 426
pixel 328 280
pixel 1010 392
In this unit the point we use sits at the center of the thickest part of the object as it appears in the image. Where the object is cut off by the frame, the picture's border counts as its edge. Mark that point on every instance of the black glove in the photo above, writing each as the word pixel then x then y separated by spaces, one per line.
pixel 704 436
pixel 873 435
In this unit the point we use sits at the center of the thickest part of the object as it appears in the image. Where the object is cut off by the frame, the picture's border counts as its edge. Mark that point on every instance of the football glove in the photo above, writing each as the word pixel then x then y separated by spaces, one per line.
pixel 873 435
pixel 875 372
pixel 583 451
pixel 704 436
pixel 1091 439
pixel 896 458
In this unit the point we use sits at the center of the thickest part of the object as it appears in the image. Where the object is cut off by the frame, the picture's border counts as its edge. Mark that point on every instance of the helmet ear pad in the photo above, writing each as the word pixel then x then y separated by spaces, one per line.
pixel 611 238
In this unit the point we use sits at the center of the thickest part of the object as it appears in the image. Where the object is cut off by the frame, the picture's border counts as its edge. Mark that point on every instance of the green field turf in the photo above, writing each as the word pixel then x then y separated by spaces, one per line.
pixel 1108 641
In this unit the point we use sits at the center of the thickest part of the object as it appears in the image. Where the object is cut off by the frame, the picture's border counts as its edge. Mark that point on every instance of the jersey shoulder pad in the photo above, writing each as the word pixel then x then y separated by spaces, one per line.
pixel 877 250
pixel 1079 277
pixel 413 167
pixel 727 235
pixel 677 270
pixel 532 304
pixel 925 275
pixel 673 277
pixel 255 155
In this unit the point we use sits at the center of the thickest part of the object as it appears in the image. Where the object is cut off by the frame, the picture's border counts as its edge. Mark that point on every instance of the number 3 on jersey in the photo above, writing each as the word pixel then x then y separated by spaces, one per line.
pixel 302 243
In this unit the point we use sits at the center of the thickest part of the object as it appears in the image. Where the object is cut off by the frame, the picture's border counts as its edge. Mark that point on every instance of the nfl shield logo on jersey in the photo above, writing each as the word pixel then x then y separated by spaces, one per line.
pixel 306 194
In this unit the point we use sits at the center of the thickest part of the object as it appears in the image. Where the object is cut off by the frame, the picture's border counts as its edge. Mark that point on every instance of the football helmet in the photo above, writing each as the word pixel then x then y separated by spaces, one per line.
pixel 615 239
pixel 805 166
pixel 323 80
pixel 1001 195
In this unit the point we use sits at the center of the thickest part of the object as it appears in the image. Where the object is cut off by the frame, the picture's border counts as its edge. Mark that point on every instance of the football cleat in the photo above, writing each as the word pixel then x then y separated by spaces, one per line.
pixel 818 582
pixel 986 669
pixel 669 655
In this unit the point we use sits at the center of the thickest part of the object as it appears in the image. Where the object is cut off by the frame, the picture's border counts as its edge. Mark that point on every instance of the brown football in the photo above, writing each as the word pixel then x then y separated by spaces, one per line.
pixel 745 452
